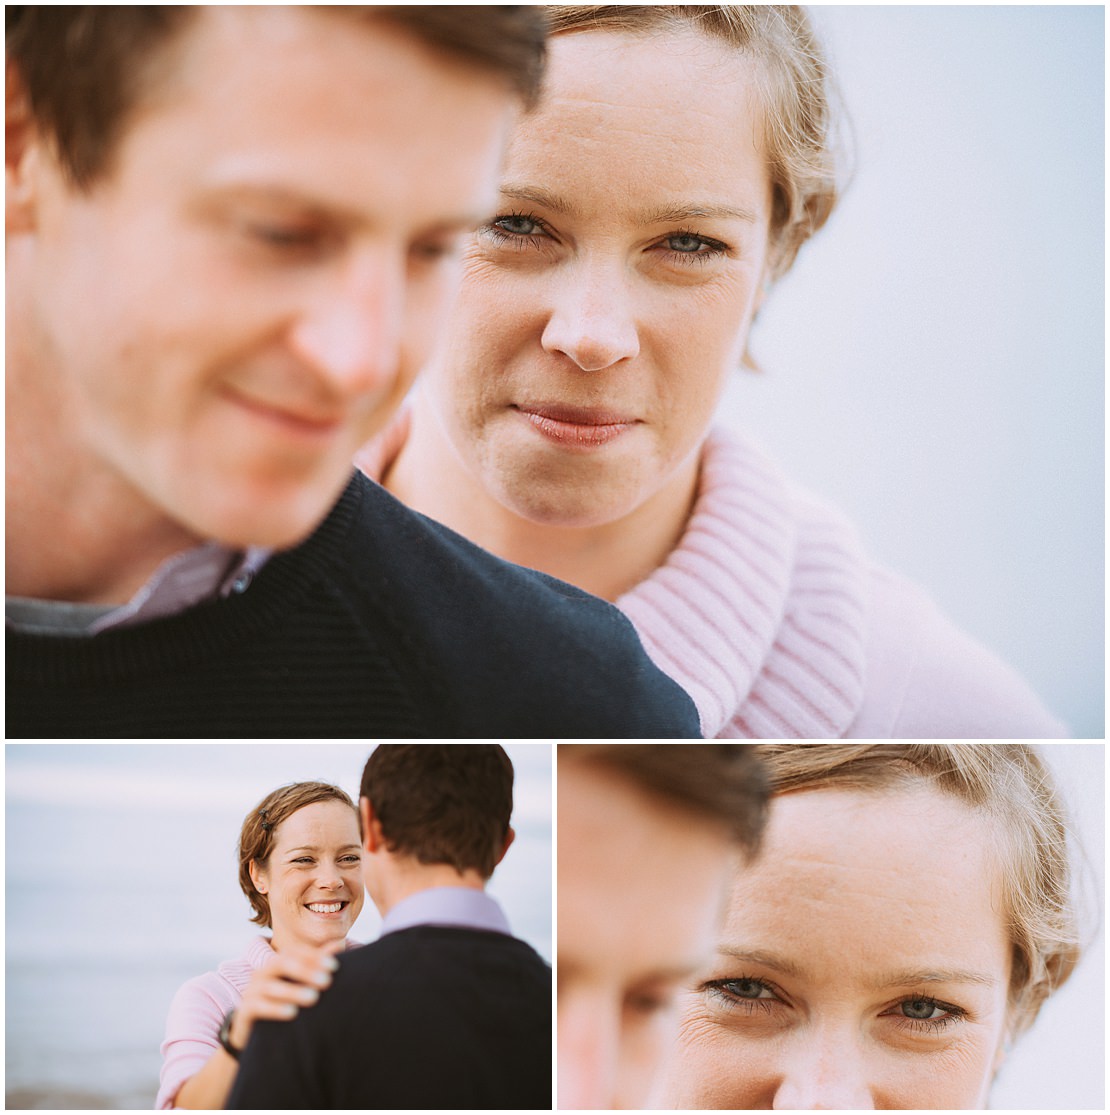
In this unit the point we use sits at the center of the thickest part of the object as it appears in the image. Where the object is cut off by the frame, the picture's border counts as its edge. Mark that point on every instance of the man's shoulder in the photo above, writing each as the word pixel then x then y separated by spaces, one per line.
pixel 403 954
pixel 504 633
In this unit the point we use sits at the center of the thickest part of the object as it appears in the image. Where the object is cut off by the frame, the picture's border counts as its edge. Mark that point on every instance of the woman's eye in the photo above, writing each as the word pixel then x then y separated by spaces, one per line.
pixel 923 1010
pixel 747 988
pixel 691 246
pixel 518 225
pixel 686 244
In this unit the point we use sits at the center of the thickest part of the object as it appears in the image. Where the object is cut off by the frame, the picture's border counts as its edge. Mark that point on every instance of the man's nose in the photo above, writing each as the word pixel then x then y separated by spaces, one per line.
pixel 351 331
pixel 589 1049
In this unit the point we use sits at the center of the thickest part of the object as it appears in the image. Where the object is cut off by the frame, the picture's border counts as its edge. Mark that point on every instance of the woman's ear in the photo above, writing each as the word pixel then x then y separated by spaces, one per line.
pixel 257 877
pixel 22 150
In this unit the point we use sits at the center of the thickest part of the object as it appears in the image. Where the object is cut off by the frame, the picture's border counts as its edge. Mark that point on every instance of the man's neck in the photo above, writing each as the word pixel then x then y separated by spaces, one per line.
pixel 404 881
pixel 606 559
pixel 76 530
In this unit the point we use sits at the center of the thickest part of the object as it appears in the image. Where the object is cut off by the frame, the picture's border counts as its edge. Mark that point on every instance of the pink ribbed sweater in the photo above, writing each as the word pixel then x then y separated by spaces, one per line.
pixel 773 619
pixel 195 1015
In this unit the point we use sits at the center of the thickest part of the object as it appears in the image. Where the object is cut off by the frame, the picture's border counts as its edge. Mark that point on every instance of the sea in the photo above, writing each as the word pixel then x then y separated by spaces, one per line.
pixel 121 883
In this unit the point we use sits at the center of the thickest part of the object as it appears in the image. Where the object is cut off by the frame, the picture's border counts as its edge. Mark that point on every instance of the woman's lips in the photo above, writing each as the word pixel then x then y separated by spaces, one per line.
pixel 580 427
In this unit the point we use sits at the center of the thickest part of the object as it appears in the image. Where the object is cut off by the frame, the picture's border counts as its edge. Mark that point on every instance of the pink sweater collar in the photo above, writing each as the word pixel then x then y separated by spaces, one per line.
pixel 760 612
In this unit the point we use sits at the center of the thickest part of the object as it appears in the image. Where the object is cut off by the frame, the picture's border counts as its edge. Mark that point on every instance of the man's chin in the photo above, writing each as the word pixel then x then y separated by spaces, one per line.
pixel 274 520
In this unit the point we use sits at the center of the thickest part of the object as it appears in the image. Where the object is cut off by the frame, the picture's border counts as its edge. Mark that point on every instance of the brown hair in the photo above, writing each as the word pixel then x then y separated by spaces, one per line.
pixel 797 94
pixel 442 802
pixel 84 67
pixel 1011 784
pixel 718 783
pixel 259 831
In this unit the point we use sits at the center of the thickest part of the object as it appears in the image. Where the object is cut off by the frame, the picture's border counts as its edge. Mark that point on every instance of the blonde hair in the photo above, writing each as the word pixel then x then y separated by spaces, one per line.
pixel 1011 784
pixel 796 90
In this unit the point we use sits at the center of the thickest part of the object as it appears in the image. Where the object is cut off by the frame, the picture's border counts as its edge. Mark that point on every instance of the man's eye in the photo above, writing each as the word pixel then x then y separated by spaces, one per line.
pixel 286 237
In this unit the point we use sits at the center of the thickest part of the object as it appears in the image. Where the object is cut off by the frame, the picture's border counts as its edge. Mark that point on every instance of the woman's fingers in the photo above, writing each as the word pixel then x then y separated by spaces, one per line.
pixel 289 981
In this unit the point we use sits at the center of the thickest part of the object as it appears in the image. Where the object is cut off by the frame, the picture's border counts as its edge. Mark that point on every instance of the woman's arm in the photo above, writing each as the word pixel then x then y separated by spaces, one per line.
pixel 288 981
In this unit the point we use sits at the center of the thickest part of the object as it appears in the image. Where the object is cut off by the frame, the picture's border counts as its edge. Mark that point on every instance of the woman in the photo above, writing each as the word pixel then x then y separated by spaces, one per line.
pixel 909 913
pixel 300 868
pixel 679 160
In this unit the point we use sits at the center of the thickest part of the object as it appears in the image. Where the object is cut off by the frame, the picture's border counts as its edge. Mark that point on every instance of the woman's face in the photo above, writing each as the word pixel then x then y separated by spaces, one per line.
pixel 314 875
pixel 605 305
pixel 863 964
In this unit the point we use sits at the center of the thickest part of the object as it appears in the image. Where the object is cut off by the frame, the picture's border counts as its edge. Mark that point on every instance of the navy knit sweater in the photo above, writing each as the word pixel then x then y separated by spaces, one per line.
pixel 383 623
pixel 429 1018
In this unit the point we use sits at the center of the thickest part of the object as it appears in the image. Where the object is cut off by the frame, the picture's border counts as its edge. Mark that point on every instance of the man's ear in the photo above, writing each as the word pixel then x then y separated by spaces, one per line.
pixel 372 838
pixel 22 154
pixel 510 836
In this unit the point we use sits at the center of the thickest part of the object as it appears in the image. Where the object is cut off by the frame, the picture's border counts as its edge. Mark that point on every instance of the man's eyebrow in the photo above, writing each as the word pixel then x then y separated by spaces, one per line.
pixel 261 190
pixel 669 214
pixel 570 968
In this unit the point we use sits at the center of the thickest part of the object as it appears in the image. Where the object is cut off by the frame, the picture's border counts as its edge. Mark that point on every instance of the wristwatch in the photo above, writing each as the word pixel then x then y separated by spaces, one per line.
pixel 224 1036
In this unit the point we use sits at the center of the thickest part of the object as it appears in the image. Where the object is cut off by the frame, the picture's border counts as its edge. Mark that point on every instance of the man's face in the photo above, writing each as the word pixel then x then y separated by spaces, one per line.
pixel 640 894
pixel 245 296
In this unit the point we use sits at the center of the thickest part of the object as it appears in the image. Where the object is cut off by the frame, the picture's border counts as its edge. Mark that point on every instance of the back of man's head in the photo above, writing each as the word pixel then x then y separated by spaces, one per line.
pixel 442 803
pixel 720 784
pixel 85 68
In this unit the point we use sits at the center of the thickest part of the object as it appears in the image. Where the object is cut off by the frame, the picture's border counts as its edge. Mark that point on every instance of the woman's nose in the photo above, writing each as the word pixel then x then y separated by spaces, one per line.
pixel 593 319
pixel 825 1071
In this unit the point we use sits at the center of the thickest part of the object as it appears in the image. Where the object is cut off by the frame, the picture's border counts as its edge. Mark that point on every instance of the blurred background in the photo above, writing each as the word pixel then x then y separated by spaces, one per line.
pixel 934 363
pixel 121 883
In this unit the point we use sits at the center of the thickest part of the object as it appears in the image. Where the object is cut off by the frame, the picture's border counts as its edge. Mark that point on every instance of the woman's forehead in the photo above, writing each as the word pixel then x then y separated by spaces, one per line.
pixel 892 879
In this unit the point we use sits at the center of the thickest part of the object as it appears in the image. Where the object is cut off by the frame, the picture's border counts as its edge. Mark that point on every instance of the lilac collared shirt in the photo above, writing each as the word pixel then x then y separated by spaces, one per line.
pixel 209 571
pixel 464 907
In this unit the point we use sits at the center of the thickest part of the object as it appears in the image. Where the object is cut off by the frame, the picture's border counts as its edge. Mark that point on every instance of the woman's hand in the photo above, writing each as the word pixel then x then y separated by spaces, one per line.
pixel 292 979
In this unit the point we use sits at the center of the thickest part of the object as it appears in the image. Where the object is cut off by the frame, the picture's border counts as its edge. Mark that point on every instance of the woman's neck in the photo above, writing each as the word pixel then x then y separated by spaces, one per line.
pixel 605 559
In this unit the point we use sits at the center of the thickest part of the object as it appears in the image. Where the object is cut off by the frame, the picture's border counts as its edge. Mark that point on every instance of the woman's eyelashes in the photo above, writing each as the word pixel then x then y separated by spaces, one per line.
pixel 524 230
pixel 920 1013
pixel 691 247
pixel 745 992
pixel 924 1013
pixel 516 230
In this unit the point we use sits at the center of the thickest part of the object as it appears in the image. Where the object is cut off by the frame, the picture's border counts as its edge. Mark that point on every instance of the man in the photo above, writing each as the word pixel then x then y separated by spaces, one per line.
pixel 648 835
pixel 231 241
pixel 446 1009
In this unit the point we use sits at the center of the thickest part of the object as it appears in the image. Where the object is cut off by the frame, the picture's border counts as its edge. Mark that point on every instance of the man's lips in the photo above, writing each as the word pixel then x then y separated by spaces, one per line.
pixel 293 417
pixel 584 427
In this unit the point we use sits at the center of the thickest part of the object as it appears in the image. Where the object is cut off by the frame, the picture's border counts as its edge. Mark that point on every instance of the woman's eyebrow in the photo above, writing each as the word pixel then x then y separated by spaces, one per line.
pixel 698 212
pixel 666 215
pixel 314 848
pixel 901 978
pixel 934 975
pixel 539 196
pixel 766 959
